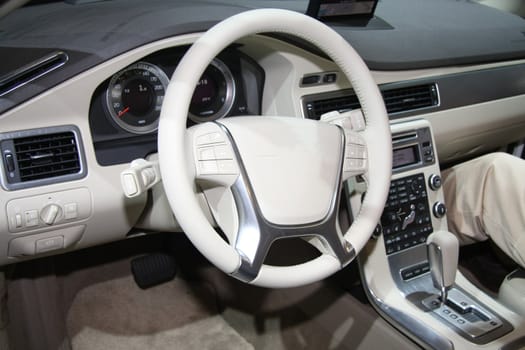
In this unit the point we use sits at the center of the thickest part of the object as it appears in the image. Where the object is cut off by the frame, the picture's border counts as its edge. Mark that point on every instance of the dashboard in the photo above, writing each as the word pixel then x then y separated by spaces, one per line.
pixel 269 76
pixel 80 106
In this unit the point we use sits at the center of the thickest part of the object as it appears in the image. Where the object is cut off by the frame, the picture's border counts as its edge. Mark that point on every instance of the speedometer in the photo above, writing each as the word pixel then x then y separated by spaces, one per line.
pixel 134 97
pixel 214 94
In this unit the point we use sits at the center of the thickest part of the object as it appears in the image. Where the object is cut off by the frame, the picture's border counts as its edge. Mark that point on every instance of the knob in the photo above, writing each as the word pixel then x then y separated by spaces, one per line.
pixel 439 210
pixel 416 187
pixel 434 181
pixel 49 213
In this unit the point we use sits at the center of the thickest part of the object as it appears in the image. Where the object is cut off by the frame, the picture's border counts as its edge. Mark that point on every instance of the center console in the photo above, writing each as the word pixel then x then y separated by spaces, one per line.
pixel 395 267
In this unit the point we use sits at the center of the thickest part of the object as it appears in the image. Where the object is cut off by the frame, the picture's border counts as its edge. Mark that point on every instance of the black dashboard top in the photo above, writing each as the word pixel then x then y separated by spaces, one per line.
pixel 412 34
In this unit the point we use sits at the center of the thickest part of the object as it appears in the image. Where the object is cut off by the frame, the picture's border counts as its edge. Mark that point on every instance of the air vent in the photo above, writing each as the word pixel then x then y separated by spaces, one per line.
pixel 47 156
pixel 316 108
pixel 31 72
pixel 397 100
pixel 39 157
pixel 410 98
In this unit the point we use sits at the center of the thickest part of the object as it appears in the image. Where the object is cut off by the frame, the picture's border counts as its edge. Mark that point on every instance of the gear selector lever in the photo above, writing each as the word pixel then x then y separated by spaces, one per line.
pixel 443 252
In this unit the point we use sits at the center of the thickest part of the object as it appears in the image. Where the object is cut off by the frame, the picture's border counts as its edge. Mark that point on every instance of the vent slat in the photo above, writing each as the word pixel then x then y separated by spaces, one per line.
pixel 396 100
pixel 46 156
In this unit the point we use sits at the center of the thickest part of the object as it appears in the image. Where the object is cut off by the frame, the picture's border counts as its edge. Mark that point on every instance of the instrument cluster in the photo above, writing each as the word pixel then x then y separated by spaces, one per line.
pixel 125 108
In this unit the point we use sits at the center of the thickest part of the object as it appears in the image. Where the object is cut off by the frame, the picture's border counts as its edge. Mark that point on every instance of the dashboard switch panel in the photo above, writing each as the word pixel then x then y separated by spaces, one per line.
pixel 48 210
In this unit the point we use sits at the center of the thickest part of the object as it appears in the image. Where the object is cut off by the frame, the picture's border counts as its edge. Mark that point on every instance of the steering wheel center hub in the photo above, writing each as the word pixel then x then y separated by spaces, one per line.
pixel 293 165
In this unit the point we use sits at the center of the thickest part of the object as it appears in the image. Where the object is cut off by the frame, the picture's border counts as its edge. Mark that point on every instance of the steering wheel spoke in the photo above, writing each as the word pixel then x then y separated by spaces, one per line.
pixel 256 234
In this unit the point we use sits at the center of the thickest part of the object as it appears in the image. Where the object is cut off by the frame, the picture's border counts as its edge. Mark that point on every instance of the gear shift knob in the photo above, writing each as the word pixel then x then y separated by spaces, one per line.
pixel 443 253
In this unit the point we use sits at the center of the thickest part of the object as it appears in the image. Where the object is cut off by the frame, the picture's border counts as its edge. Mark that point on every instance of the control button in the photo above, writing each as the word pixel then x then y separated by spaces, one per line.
pixel 416 187
pixel 453 316
pixel 129 184
pixel 392 217
pixel 354 165
pixel 407 274
pixel 206 153
pixel 70 211
pixel 18 220
pixel 355 151
pixel 446 311
pixel 461 321
pixel 439 210
pixel 329 78
pixel 393 203
pixel 49 214
pixel 311 80
pixel 357 119
pixel 48 244
pixel 223 152
pixel 208 167
pixel 226 167
pixel 31 218
pixel 354 139
pixel 10 162
pixel 434 181
pixel 212 137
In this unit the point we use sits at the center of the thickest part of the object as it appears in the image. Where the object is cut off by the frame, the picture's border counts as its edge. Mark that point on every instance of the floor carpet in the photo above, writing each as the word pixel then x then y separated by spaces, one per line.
pixel 117 314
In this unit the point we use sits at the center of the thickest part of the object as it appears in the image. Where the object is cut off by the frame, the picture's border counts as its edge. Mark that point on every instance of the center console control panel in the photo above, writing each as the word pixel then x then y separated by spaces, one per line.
pixel 406 220
pixel 407 217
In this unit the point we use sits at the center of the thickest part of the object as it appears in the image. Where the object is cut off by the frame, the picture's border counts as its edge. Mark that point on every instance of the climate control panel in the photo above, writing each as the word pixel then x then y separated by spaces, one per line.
pixel 406 219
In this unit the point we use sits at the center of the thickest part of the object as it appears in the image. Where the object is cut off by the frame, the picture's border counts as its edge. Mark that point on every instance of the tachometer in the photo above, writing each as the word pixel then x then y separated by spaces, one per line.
pixel 134 97
pixel 214 95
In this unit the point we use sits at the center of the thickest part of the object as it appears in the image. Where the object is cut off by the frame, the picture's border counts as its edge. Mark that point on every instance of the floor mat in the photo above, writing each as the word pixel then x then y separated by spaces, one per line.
pixel 485 266
pixel 176 315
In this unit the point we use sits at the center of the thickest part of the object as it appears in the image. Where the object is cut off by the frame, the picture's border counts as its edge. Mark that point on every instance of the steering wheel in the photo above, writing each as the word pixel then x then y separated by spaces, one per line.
pixel 280 176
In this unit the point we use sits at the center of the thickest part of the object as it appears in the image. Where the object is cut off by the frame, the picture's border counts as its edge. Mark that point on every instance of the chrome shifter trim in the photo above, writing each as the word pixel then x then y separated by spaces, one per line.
pixel 419 332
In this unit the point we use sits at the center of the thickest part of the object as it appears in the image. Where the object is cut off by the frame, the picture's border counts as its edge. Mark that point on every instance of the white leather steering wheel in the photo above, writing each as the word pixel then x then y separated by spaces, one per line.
pixel 282 176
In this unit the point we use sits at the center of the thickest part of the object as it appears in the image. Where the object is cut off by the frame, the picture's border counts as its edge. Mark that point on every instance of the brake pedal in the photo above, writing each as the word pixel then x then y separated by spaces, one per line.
pixel 151 270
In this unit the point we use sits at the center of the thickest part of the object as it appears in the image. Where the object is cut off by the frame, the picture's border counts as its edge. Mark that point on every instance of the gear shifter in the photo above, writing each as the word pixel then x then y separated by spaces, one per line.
pixel 443 252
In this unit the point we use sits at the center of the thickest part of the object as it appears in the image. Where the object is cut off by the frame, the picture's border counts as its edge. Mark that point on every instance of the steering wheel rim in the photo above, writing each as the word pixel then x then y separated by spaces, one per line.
pixel 178 170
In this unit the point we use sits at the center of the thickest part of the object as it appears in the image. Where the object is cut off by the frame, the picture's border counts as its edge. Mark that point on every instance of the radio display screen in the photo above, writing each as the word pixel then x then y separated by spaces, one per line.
pixel 405 156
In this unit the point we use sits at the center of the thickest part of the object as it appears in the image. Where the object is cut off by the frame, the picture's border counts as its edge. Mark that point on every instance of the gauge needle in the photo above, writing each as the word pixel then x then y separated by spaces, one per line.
pixel 124 111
